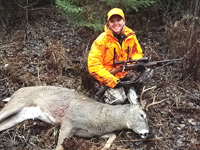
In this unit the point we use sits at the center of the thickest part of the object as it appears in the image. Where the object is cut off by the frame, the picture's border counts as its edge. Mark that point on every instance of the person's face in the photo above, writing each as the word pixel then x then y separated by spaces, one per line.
pixel 116 23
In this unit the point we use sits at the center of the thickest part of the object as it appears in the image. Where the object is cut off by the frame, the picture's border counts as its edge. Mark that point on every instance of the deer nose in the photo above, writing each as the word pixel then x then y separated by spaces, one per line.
pixel 144 135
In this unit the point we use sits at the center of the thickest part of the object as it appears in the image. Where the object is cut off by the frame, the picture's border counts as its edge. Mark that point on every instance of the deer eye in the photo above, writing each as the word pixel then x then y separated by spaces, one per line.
pixel 142 116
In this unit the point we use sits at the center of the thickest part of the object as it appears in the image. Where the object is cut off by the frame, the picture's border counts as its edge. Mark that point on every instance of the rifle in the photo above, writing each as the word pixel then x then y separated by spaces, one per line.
pixel 143 60
pixel 139 62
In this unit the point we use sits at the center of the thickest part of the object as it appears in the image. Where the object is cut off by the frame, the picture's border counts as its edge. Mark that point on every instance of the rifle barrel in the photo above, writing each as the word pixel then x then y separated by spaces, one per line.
pixel 170 60
pixel 144 60
pixel 134 66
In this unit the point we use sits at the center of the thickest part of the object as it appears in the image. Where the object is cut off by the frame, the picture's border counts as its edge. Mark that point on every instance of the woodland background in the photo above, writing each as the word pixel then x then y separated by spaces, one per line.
pixel 46 42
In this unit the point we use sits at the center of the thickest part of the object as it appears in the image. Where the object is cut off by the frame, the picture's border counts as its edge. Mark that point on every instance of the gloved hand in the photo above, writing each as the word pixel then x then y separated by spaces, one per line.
pixel 141 68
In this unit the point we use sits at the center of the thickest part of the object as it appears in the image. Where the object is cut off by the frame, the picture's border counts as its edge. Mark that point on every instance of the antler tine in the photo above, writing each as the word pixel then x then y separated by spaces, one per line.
pixel 154 102
pixel 143 91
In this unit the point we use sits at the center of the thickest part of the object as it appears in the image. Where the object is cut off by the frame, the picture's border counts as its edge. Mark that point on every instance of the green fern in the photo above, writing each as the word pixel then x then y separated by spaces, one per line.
pixel 92 13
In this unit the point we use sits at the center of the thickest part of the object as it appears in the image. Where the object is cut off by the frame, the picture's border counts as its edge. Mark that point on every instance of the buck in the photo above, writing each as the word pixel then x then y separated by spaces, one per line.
pixel 77 114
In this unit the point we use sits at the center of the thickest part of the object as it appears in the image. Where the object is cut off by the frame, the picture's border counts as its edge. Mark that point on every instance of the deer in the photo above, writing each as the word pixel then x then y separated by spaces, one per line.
pixel 77 114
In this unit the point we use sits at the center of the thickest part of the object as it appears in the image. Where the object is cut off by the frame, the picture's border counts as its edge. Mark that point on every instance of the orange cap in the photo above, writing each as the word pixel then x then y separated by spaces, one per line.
pixel 115 11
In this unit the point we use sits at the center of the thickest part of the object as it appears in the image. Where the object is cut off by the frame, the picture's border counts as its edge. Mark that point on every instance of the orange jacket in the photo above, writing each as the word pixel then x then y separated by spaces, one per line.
pixel 100 59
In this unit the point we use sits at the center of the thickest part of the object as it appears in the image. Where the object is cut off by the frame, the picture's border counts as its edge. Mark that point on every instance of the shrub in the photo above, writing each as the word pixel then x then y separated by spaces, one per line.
pixel 92 13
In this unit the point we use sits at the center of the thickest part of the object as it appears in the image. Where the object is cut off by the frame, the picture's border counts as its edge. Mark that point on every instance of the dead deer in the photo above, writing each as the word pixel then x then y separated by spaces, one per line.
pixel 77 114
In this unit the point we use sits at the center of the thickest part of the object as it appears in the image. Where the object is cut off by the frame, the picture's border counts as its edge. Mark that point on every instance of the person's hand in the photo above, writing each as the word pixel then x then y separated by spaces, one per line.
pixel 141 68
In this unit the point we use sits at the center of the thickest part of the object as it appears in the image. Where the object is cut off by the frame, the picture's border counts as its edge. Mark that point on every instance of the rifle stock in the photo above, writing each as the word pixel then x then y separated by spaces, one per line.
pixel 126 67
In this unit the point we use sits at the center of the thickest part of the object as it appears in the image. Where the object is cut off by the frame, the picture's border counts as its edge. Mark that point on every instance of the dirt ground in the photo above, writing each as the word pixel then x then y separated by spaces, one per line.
pixel 48 51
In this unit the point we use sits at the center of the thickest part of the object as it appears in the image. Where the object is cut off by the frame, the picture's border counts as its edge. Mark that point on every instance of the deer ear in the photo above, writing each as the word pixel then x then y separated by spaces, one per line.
pixel 132 96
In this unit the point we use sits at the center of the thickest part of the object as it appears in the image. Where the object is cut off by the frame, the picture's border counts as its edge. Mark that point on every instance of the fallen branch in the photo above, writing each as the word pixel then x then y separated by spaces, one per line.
pixel 185 91
pixel 138 140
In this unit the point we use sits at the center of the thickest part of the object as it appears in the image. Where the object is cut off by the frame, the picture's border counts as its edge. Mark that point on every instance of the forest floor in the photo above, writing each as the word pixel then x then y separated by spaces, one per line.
pixel 48 51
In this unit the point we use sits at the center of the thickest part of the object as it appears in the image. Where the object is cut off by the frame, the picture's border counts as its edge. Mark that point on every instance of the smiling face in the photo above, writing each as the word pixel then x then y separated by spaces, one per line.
pixel 116 23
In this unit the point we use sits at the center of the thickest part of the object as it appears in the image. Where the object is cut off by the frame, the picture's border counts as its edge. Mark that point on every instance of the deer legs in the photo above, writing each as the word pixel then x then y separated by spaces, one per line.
pixel 9 117
pixel 111 139
pixel 17 115
pixel 65 132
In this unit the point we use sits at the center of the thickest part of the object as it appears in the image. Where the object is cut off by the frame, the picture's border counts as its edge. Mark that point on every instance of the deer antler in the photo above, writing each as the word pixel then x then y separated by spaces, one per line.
pixel 143 91
pixel 154 102
pixel 154 98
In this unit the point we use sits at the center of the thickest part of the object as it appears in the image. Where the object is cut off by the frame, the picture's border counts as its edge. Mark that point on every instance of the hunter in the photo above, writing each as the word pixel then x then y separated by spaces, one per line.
pixel 116 43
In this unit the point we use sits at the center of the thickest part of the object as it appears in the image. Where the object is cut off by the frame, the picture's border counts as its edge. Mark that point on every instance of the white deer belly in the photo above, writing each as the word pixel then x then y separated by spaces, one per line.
pixel 34 113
